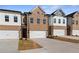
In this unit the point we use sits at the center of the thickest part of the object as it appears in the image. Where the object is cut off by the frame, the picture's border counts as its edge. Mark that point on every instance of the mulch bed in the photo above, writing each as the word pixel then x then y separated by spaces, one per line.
pixel 64 39
pixel 28 44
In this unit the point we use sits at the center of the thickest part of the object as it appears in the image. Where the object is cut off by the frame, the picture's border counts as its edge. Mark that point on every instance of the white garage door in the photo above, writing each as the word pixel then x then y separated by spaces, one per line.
pixel 37 34
pixel 4 34
pixel 75 32
pixel 59 32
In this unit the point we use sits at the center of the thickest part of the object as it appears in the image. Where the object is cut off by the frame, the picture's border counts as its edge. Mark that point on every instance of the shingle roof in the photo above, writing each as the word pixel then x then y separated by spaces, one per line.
pixel 57 10
pixel 71 14
pixel 10 10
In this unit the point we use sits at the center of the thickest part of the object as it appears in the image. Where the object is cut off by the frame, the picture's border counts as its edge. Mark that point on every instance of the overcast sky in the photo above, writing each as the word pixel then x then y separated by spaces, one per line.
pixel 47 8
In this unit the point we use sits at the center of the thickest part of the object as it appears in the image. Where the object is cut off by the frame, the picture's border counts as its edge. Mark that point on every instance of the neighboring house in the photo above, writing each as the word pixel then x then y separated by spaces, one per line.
pixel 10 24
pixel 37 23
pixel 73 23
pixel 57 23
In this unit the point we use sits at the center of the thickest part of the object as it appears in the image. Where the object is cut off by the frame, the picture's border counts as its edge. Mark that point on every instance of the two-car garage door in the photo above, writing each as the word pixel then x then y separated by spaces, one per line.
pixel 9 34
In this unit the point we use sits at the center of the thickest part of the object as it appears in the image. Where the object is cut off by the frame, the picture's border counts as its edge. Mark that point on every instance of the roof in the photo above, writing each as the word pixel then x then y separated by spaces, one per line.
pixel 10 10
pixel 27 13
pixel 39 8
pixel 71 14
pixel 58 10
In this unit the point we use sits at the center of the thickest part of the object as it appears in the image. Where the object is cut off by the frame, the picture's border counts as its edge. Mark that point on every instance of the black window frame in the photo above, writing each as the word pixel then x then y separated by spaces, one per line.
pixel 31 20
pixel 44 21
pixel 64 21
pixel 54 20
pixel 15 19
pixel 38 20
pixel 59 21
pixel 6 18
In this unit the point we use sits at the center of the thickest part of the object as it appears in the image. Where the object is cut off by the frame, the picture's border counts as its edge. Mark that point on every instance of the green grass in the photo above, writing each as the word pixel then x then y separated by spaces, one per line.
pixel 28 44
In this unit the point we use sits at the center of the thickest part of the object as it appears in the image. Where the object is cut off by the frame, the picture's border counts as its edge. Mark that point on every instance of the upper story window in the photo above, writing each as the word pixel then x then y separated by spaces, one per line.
pixel 44 21
pixel 63 21
pixel 38 21
pixel 15 19
pixel 76 22
pixel 31 20
pixel 6 18
pixel 59 21
pixel 54 20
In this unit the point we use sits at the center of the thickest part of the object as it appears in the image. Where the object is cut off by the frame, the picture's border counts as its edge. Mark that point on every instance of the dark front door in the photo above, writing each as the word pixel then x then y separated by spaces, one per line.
pixel 49 31
pixel 24 33
pixel 68 30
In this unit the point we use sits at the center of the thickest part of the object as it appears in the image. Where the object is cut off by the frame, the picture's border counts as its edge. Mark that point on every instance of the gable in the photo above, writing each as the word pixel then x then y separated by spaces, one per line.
pixel 38 9
pixel 59 13
pixel 76 14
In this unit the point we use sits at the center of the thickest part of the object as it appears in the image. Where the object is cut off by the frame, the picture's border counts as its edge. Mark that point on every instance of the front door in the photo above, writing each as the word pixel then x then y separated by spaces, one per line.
pixel 24 33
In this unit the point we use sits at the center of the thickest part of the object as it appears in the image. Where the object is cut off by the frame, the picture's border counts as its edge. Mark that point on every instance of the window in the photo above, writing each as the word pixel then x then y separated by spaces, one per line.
pixel 7 18
pixel 44 21
pixel 59 21
pixel 55 20
pixel 76 22
pixel 63 21
pixel 15 19
pixel 38 21
pixel 31 20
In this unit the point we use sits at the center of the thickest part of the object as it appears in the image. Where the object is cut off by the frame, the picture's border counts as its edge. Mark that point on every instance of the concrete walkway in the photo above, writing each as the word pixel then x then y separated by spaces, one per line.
pixel 54 46
pixel 9 46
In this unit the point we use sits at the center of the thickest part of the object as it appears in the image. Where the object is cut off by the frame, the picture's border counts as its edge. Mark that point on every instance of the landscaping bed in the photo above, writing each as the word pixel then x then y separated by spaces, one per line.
pixel 64 39
pixel 27 44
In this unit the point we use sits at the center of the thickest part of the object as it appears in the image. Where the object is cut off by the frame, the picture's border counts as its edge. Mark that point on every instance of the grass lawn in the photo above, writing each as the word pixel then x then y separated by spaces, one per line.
pixel 28 44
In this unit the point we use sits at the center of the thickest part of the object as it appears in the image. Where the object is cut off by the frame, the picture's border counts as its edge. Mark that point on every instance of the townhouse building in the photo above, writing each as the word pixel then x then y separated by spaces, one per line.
pixel 10 24
pixel 73 23
pixel 57 23
pixel 36 23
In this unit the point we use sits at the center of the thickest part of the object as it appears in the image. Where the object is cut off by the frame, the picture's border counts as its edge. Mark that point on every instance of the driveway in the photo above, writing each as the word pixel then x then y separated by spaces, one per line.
pixel 54 46
pixel 8 46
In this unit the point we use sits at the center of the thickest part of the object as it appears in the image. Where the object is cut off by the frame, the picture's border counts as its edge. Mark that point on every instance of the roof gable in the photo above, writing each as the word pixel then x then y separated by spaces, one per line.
pixel 38 7
pixel 58 12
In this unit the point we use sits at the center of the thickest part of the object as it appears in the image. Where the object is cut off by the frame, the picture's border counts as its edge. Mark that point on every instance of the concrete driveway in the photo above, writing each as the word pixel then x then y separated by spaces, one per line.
pixel 8 46
pixel 54 46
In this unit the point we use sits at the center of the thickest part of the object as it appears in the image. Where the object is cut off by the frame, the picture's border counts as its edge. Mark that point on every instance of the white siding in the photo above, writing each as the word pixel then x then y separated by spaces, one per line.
pixel 37 34
pixel 58 32
pixel 75 32
pixel 51 19
pixel 11 18
pixel 9 34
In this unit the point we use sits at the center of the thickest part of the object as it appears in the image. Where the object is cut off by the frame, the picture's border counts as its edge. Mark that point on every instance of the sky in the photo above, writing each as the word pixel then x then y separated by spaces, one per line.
pixel 47 8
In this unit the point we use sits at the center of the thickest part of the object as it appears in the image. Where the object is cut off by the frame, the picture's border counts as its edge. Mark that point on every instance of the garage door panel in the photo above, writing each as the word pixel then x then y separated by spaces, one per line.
pixel 59 32
pixel 75 32
pixel 37 34
pixel 9 34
